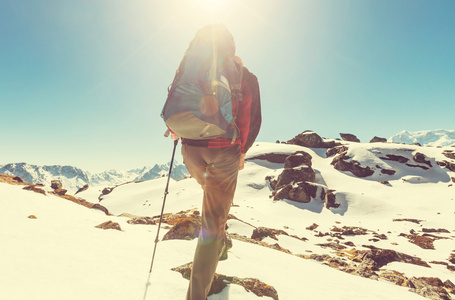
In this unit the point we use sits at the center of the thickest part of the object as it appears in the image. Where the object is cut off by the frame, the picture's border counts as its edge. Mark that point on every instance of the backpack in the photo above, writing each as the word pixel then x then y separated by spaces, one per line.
pixel 208 80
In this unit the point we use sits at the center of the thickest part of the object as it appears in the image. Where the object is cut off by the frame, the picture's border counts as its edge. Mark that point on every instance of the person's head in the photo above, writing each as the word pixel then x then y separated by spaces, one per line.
pixel 219 35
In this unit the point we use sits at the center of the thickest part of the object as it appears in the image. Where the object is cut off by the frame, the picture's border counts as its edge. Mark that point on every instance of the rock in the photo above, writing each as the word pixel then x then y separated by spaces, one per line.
pixel 429 287
pixel 56 184
pixel 297 159
pixel 336 150
pixel 300 192
pixel 186 229
pixel 398 158
pixel 378 140
pixel 340 163
pixel 142 220
pixel 421 158
pixel 447 164
pixel 84 188
pixel 388 172
pixel 452 258
pixel 308 139
pixel 288 176
pixel 271 157
pixel 32 217
pixel 261 232
pixel 60 192
pixel 102 208
pixel 109 225
pixel 18 179
pixel 423 242
pixel 449 154
pixel 107 190
pixel 253 285
pixel 330 201
pixel 349 137
pixel 34 188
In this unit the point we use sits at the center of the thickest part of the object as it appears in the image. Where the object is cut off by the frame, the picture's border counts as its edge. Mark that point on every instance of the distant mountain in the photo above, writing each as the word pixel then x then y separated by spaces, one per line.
pixel 439 137
pixel 74 178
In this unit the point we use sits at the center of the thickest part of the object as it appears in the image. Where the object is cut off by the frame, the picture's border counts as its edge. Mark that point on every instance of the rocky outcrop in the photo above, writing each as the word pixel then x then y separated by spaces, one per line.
pixel 109 225
pixel 84 188
pixel 185 229
pixel 308 139
pixel 311 139
pixel 220 281
pixel 342 162
pixel 447 164
pixel 336 150
pixel 378 140
pixel 277 158
pixel 449 154
pixel 297 159
pixel 349 137
pixel 56 184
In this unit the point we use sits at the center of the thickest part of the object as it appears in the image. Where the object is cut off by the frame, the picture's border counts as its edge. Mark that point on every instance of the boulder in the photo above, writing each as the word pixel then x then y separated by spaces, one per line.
pixel 300 192
pixel 308 139
pixel 84 188
pixel 340 163
pixel 56 184
pixel 449 154
pixel 300 174
pixel 297 159
pixel 261 232
pixel 336 150
pixel 60 192
pixel 349 137
pixel 378 140
pixel 186 229
pixel 421 158
pixel 107 190
pixel 109 225
pixel 271 157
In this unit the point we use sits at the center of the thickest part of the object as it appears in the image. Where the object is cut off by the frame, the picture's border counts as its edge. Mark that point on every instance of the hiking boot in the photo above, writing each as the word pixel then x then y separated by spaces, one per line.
pixel 226 246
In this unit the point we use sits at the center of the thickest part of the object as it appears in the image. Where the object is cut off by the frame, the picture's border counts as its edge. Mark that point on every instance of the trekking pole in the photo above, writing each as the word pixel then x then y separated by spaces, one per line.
pixel 147 284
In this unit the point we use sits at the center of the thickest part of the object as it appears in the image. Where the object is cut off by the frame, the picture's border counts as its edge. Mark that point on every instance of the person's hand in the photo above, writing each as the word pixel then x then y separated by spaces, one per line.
pixel 174 136
pixel 242 161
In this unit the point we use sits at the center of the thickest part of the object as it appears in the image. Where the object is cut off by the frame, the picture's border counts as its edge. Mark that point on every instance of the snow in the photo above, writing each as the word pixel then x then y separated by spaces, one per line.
pixel 61 255
pixel 435 138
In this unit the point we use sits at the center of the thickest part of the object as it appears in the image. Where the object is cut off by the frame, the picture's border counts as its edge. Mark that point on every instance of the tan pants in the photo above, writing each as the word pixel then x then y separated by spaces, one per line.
pixel 216 170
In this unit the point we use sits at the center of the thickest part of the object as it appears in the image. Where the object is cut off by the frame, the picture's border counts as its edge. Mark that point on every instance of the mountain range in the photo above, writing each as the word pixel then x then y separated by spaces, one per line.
pixel 73 178
pixel 439 137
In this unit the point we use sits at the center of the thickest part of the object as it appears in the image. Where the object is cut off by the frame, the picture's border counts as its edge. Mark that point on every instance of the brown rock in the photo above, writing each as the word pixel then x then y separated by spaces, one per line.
pixel 262 232
pixel 308 139
pixel 421 158
pixel 449 154
pixel 109 225
pixel 398 158
pixel 447 164
pixel 84 188
pixel 56 184
pixel 349 137
pixel 142 220
pixel 423 242
pixel 60 192
pixel 253 285
pixel 340 163
pixel 34 188
pixel 297 159
pixel 186 229
pixel 295 175
pixel 32 217
pixel 330 201
pixel 102 208
pixel 378 140
pixel 107 190
pixel 18 179
pixel 336 150
pixel 277 158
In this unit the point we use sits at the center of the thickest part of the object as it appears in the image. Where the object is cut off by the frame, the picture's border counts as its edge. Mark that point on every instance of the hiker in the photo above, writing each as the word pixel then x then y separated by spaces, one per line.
pixel 215 164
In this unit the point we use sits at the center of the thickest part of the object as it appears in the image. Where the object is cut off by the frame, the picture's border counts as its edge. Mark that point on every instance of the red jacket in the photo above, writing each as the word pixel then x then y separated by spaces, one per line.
pixel 248 118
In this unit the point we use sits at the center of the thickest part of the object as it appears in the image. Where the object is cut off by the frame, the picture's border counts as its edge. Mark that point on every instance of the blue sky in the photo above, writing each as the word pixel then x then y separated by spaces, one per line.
pixel 83 82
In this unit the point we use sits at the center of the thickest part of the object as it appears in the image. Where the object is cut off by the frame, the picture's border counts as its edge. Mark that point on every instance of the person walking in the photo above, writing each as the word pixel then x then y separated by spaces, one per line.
pixel 215 164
